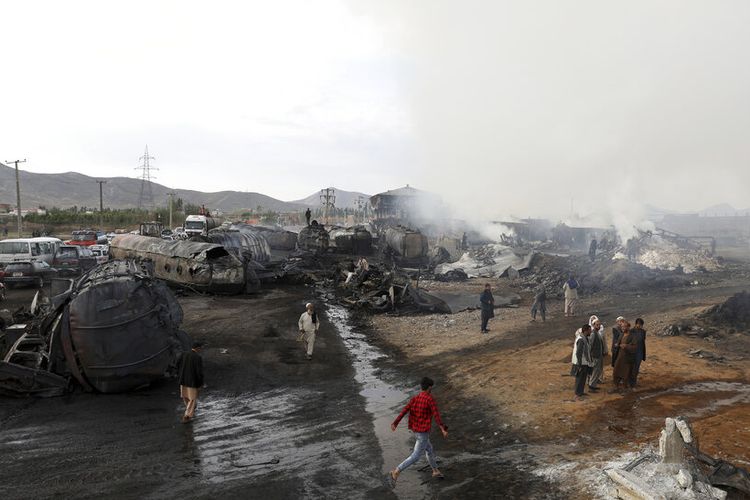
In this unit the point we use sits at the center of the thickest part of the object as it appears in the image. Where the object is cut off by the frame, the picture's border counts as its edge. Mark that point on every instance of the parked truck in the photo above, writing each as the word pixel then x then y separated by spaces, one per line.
pixel 199 225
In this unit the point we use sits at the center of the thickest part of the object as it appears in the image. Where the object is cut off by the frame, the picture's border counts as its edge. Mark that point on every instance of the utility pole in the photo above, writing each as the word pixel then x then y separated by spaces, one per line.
pixel 171 203
pixel 18 195
pixel 328 200
pixel 101 205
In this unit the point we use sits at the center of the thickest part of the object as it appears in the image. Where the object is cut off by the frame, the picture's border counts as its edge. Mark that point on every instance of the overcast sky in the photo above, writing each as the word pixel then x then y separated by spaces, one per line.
pixel 505 107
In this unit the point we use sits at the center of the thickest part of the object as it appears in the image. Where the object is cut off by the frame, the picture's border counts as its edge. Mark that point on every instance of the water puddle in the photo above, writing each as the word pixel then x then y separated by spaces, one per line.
pixel 383 402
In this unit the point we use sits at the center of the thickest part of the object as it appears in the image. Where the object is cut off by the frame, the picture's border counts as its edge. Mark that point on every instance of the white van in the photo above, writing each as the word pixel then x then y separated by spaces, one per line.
pixel 28 249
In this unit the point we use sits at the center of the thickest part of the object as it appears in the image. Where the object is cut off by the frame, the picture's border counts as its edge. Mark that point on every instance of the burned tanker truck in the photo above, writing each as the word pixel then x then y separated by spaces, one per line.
pixel 195 265
pixel 115 329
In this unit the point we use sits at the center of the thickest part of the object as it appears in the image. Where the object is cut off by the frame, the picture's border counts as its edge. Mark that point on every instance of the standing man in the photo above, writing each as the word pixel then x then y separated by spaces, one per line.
pixel 570 288
pixel 308 215
pixel 309 323
pixel 592 249
pixel 616 336
pixel 581 359
pixel 421 408
pixel 487 302
pixel 191 380
pixel 540 304
pixel 598 351
pixel 640 353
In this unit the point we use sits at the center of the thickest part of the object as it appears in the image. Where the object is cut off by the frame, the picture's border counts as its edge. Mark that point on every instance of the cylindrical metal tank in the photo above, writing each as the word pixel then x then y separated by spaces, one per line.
pixel 313 238
pixel 121 328
pixel 406 243
pixel 355 240
pixel 241 243
pixel 278 239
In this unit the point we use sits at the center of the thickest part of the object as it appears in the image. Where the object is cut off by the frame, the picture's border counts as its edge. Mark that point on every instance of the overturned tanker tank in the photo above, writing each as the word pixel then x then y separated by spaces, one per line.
pixel 196 265
pixel 113 330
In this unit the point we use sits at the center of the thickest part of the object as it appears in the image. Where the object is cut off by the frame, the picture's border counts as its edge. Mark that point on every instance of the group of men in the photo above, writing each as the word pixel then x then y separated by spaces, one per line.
pixel 590 349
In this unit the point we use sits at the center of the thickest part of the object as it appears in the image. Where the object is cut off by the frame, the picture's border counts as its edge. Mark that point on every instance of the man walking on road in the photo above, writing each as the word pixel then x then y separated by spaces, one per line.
pixel 421 408
pixel 191 380
pixel 487 302
pixel 308 216
pixel 309 323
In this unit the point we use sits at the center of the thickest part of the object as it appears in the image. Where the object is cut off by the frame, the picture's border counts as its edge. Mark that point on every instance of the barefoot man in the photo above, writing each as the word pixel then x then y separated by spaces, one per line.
pixel 421 408
pixel 191 380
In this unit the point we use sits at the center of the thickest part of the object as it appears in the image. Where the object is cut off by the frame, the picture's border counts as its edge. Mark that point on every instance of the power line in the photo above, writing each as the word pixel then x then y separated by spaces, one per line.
pixel 146 197
pixel 18 196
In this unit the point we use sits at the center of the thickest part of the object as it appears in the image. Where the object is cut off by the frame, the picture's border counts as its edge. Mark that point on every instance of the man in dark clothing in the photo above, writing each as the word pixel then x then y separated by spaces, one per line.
pixel 421 409
pixel 581 359
pixel 616 336
pixel 308 216
pixel 540 304
pixel 640 354
pixel 487 301
pixel 191 380
pixel 464 242
pixel 592 250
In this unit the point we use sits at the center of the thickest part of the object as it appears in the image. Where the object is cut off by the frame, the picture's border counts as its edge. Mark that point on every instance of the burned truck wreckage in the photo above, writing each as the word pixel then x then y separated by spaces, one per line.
pixel 113 330
pixel 204 267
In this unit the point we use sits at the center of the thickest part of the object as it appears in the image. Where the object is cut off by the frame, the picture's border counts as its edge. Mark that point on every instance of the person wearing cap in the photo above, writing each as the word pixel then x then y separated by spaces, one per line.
pixel 309 323
pixel 191 380
pixel 616 336
pixel 598 348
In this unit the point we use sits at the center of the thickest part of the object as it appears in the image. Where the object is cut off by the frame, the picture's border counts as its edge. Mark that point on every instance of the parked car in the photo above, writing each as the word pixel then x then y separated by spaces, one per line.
pixel 100 252
pixel 35 273
pixel 72 260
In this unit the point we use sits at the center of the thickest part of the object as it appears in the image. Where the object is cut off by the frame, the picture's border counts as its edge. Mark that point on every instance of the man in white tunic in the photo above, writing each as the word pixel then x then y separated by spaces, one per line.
pixel 309 323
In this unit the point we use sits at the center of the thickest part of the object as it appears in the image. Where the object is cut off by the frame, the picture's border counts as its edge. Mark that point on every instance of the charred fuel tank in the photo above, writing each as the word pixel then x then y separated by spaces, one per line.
pixel 114 330
pixel 408 244
pixel 196 265
pixel 243 244
pixel 313 238
pixel 352 240
pixel 278 239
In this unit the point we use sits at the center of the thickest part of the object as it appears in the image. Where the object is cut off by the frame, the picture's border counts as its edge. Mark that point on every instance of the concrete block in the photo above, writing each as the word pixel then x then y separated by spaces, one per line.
pixel 631 487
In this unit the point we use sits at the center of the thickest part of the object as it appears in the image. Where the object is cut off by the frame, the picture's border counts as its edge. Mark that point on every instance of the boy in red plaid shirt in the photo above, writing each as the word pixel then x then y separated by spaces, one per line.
pixel 421 408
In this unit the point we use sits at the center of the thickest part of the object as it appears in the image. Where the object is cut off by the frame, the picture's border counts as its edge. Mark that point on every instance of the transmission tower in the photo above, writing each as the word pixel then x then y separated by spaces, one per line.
pixel 328 202
pixel 146 198
pixel 363 205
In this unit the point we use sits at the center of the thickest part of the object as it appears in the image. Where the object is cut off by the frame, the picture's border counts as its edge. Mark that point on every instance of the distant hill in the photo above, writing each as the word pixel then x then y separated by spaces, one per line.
pixel 74 189
pixel 344 199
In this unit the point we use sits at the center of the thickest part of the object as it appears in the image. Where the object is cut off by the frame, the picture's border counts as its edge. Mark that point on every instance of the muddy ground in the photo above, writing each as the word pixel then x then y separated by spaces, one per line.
pixel 521 371
pixel 270 424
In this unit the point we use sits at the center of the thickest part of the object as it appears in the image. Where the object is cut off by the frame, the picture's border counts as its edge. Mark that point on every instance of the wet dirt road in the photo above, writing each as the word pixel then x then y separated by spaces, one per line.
pixel 270 423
